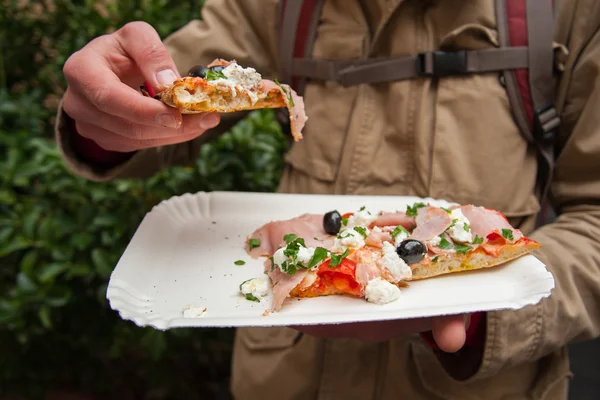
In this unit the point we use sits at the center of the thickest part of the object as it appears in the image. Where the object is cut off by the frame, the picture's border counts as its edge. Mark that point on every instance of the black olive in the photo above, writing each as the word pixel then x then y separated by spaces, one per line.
pixel 217 68
pixel 411 251
pixel 332 222
pixel 198 71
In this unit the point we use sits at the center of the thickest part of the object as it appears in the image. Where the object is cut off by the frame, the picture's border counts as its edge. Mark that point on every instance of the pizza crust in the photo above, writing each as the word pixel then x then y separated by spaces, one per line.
pixel 192 95
pixel 476 259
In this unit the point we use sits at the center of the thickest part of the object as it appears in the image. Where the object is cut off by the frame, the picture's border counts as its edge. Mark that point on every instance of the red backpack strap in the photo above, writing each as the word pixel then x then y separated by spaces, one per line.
pixel 531 91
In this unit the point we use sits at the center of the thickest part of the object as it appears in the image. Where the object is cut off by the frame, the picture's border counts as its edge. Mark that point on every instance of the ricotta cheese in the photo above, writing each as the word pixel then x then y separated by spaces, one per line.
pixel 257 287
pixel 461 230
pixel 393 263
pixel 380 291
pixel 350 238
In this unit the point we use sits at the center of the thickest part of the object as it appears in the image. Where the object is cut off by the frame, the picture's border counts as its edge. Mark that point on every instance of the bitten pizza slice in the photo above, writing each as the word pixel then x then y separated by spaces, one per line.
pixel 225 86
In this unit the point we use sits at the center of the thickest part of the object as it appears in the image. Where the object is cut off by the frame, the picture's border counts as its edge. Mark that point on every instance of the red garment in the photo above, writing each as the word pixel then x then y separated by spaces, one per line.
pixel 475 334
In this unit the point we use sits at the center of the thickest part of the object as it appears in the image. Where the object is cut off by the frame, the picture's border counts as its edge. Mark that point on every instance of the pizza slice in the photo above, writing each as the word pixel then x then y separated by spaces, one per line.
pixel 225 86
pixel 372 255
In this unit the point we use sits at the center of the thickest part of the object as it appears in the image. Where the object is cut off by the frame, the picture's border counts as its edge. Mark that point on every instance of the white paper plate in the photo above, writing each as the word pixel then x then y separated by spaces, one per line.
pixel 183 255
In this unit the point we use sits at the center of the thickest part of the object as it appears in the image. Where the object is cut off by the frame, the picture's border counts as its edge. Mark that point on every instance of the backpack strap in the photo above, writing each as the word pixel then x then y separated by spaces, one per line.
pixel 531 91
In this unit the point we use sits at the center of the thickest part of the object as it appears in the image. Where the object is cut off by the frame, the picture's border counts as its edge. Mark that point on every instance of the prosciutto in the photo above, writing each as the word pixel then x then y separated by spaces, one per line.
pixel 431 222
pixel 394 219
pixel 283 283
pixel 307 226
pixel 294 104
pixel 484 221
pixel 377 237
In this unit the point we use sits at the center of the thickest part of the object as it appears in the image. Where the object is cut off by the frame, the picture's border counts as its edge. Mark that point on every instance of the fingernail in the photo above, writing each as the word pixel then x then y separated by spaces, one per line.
pixel 167 120
pixel 209 121
pixel 166 77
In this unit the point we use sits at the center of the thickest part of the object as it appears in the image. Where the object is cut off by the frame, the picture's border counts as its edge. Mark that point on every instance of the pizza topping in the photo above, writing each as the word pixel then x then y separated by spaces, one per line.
pixel 294 104
pixel 380 291
pixel 198 71
pixel 395 219
pixel 362 217
pixel 377 236
pixel 431 222
pixel 294 256
pixel 411 251
pixel 254 289
pixel 399 234
pixel 392 261
pixel 283 284
pixel 351 237
pixel 413 210
pixel 484 221
pixel 459 230
pixel 332 222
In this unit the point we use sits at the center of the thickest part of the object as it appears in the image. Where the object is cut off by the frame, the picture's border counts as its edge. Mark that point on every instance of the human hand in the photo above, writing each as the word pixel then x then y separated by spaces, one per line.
pixel 449 331
pixel 103 101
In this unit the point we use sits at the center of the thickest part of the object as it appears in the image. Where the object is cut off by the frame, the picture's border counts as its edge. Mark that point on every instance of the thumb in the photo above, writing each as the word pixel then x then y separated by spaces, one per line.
pixel 449 332
pixel 141 42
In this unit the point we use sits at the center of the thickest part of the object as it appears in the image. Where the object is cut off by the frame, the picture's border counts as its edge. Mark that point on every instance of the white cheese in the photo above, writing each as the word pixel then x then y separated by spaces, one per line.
pixel 351 238
pixel 379 291
pixel 458 232
pixel 193 312
pixel 361 218
pixel 303 256
pixel 393 263
pixel 247 78
pixel 257 287
pixel 402 235
pixel 435 241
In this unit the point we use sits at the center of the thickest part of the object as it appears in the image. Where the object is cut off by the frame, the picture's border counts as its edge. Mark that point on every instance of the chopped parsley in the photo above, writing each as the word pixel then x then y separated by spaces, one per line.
pixel 319 255
pixel 240 262
pixel 397 231
pixel 412 211
pixel 214 75
pixel 252 243
pixel 508 234
pixel 289 237
pixel 362 208
pixel 454 221
pixel 336 259
pixel 466 227
pixel 287 94
pixel 444 244
pixel 272 263
pixel 461 249
pixel 435 259
pixel 477 240
pixel 339 236
pixel 362 230
pixel 251 297
pixel 448 211
pixel 345 221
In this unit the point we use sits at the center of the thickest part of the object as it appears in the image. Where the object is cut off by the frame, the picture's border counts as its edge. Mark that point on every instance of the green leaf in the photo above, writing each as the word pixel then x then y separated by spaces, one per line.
pixel 45 318
pixel 508 234
pixel 477 240
pixel 461 249
pixel 397 230
pixel 50 271
pixel 361 230
pixel 28 262
pixel 336 259
pixel 214 75
pixel 25 285
pixel 240 262
pixel 319 255
pixel 290 237
pixel 101 263
pixel 14 245
pixel 412 211
pixel 252 243
pixel 445 244
pixel 251 297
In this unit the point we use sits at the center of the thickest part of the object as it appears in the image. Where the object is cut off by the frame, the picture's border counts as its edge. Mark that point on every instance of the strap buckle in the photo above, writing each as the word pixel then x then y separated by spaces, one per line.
pixel 546 121
pixel 442 63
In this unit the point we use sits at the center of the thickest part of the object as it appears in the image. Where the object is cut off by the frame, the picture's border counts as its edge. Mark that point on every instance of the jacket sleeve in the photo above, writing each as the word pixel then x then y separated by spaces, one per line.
pixel 571 244
pixel 244 30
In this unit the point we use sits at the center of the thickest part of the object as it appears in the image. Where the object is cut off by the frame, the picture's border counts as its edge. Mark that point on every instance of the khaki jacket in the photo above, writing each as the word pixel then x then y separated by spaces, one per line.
pixel 454 139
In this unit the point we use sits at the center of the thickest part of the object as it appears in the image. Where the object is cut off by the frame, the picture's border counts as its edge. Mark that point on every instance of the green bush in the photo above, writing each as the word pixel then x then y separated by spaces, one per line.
pixel 60 235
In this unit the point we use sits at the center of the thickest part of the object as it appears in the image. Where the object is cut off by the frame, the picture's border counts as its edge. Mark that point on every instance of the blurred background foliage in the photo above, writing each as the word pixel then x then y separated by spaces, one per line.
pixel 61 236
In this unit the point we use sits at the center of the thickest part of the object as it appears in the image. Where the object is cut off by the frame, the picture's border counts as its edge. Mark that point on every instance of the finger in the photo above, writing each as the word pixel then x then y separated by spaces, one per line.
pixel 79 109
pixel 142 43
pixel 115 142
pixel 449 332
pixel 89 74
